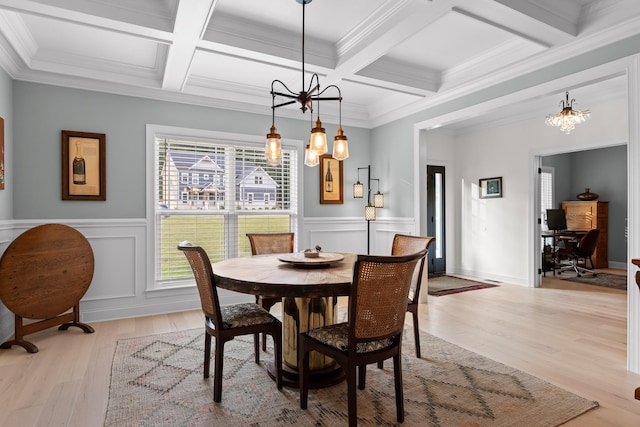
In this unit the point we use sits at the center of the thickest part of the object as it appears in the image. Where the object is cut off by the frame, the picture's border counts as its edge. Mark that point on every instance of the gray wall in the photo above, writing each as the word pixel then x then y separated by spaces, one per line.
pixel 42 111
pixel 604 172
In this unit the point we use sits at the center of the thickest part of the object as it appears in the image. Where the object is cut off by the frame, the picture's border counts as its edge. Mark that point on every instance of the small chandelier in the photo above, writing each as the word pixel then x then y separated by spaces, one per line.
pixel 318 141
pixel 568 118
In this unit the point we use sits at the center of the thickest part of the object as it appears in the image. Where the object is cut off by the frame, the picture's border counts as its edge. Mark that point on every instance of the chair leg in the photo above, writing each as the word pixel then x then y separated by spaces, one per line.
pixel 416 333
pixel 207 354
pixel 362 376
pixel 381 364
pixel 277 343
pixel 351 397
pixel 256 347
pixel 397 374
pixel 217 370
pixel 303 374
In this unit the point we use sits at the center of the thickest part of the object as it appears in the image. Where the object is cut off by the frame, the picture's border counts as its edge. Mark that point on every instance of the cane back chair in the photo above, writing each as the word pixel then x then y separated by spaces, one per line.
pixel 226 323
pixel 377 308
pixel 269 243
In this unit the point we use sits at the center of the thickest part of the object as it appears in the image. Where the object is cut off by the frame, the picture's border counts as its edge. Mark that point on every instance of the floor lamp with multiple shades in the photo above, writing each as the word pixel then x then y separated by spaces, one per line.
pixel 370 209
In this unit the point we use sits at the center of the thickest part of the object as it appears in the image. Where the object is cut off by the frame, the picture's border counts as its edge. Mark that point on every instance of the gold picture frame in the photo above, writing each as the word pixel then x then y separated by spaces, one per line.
pixel 490 188
pixel 83 166
pixel 331 181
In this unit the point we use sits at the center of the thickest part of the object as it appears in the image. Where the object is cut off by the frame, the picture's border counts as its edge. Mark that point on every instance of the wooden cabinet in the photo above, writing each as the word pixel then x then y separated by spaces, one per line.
pixel 587 216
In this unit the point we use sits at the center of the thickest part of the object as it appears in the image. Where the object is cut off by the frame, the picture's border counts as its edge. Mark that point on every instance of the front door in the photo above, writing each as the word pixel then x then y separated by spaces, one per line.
pixel 435 218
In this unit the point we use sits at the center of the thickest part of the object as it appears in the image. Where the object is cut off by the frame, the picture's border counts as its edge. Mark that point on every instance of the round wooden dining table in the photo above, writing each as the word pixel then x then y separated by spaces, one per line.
pixel 309 289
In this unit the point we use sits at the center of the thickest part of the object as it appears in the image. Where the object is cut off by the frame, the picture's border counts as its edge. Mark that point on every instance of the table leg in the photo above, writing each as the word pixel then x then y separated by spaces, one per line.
pixel 301 315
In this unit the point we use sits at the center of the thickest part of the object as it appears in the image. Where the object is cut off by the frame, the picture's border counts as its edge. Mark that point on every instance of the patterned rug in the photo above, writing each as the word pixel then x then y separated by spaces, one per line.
pixel 447 285
pixel 157 381
pixel 615 281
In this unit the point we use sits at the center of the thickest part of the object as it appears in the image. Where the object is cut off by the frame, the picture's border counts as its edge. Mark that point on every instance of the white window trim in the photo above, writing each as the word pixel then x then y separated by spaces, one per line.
pixel 153 131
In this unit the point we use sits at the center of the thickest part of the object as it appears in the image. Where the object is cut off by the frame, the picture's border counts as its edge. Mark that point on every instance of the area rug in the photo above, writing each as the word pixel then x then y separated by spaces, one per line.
pixel 602 279
pixel 447 285
pixel 157 381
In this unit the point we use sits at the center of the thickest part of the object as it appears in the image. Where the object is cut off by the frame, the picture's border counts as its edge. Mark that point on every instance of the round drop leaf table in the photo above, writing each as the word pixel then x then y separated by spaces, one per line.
pixel 43 275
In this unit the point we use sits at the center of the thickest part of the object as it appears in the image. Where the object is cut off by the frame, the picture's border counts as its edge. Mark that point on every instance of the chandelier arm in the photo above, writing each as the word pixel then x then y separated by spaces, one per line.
pixel 283 104
pixel 285 95
pixel 324 98
pixel 334 87
pixel 284 86
pixel 313 88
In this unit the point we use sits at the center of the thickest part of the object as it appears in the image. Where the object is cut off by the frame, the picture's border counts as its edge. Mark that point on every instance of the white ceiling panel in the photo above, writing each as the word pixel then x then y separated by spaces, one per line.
pixel 390 58
pixel 90 43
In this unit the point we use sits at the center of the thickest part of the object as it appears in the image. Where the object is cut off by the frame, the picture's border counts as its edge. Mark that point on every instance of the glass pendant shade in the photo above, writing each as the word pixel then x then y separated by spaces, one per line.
pixel 370 212
pixel 378 200
pixel 273 148
pixel 318 139
pixel 340 146
pixel 358 190
pixel 311 157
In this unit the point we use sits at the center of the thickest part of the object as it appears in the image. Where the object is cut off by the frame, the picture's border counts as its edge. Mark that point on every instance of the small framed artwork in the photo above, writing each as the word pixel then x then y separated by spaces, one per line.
pixel 490 188
pixel 331 186
pixel 83 166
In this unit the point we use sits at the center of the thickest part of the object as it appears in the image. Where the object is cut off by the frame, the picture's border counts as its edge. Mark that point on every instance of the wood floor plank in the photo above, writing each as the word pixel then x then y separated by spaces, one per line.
pixel 570 334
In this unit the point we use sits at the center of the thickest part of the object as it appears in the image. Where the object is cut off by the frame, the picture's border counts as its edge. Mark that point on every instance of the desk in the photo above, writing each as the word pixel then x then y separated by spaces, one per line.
pixel 554 236
pixel 309 301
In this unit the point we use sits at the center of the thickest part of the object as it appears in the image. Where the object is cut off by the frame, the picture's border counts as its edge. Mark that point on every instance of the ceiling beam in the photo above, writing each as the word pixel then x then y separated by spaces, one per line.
pixel 192 18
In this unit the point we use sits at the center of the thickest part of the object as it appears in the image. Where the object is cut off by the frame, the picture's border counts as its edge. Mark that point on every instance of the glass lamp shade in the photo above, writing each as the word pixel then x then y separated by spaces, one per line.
pixel 340 146
pixel 311 157
pixel 273 148
pixel 370 212
pixel 378 200
pixel 358 190
pixel 318 139
pixel 567 119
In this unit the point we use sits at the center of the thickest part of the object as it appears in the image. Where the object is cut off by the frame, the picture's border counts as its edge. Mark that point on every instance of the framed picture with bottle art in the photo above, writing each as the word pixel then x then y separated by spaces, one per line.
pixel 331 188
pixel 83 166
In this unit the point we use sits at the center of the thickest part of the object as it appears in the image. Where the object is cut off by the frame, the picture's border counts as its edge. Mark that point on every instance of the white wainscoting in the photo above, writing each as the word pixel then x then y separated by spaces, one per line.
pixel 119 287
pixel 349 235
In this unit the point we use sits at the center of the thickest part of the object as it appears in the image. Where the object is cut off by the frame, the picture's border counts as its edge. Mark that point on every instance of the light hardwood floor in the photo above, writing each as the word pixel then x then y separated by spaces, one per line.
pixel 569 334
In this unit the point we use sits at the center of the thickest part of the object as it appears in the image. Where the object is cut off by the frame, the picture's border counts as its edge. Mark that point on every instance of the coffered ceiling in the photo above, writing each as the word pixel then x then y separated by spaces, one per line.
pixel 390 58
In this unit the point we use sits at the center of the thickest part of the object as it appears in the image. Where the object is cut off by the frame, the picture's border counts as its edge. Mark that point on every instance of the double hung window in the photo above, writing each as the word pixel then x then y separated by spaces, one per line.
pixel 232 192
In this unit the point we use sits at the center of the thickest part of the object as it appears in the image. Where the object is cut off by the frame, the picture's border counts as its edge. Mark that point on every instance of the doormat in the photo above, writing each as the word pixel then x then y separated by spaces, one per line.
pixel 605 280
pixel 447 285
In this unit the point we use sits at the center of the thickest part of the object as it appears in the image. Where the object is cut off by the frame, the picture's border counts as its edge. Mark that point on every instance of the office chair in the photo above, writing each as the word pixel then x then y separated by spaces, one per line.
pixel 582 249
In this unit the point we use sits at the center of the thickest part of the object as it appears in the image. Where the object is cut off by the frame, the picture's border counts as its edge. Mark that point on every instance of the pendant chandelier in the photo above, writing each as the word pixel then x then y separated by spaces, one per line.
pixel 318 141
pixel 568 118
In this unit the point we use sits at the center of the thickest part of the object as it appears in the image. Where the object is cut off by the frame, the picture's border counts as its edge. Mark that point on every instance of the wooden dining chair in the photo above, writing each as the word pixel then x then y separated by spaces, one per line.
pixel 226 323
pixel 269 243
pixel 403 245
pixel 377 309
